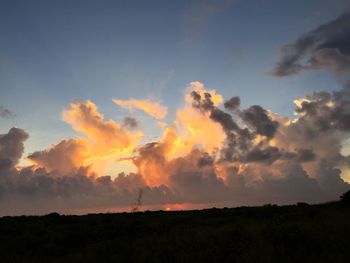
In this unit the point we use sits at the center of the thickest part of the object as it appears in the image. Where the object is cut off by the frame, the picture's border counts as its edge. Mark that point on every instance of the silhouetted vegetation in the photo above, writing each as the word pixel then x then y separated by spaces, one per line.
pixel 271 233
pixel 345 198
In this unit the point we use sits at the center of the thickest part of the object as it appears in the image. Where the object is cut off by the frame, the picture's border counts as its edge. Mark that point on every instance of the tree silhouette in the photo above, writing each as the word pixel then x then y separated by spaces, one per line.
pixel 345 198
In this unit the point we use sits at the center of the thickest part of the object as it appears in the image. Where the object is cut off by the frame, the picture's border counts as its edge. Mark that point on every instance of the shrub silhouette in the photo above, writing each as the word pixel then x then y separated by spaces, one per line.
pixel 267 234
pixel 345 198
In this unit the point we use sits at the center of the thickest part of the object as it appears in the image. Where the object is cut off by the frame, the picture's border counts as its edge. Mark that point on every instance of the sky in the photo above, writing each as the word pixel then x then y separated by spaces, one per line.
pixel 111 79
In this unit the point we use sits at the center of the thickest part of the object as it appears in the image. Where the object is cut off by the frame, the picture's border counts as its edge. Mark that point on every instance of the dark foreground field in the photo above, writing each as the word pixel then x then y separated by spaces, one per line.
pixel 300 233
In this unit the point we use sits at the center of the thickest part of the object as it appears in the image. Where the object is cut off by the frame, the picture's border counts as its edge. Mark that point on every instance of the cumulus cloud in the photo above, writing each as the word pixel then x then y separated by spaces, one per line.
pixel 262 158
pixel 63 158
pixel 239 156
pixel 84 117
pixel 326 47
pixel 154 109
pixel 39 190
pixel 103 142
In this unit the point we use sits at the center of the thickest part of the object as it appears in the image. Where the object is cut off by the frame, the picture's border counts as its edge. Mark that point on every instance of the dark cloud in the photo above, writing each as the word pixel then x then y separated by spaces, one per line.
pixel 323 112
pixel 206 104
pixel 301 155
pixel 230 127
pixel 205 160
pixel 130 122
pixel 328 46
pixel 257 154
pixel 225 119
pixel 329 178
pixel 330 58
pixel 294 184
pixel 36 191
pixel 274 173
pixel 6 113
pixel 323 118
pixel 257 118
pixel 233 103
pixel 195 183
pixel 11 145
pixel 203 104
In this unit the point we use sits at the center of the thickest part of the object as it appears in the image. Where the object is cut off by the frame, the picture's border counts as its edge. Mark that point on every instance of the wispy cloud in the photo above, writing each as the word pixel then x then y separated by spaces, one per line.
pixel 154 109
pixel 200 11
pixel 6 113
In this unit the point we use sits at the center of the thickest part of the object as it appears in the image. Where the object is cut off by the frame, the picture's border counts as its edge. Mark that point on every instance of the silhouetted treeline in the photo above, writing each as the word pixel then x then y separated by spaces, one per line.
pixel 297 233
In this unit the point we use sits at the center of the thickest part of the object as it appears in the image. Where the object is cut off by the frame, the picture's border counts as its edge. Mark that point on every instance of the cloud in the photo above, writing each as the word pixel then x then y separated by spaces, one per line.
pixel 257 154
pixel 130 123
pixel 200 12
pixel 323 112
pixel 153 109
pixel 326 47
pixel 64 158
pixel 264 158
pixel 40 190
pixel 11 145
pixel 321 125
pixel 300 155
pixel 196 183
pixel 238 137
pixel 6 113
pixel 103 142
pixel 213 151
pixel 257 118
pixel 233 103
pixel 241 156
pixel 84 117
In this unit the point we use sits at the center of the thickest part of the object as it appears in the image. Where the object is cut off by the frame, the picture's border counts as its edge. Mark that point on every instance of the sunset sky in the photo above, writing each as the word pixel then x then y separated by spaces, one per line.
pixel 239 102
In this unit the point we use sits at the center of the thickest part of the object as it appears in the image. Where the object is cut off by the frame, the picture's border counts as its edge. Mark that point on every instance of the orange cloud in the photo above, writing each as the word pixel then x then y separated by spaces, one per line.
pixel 153 109
pixel 189 131
pixel 208 153
pixel 192 126
pixel 104 142
pixel 63 158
